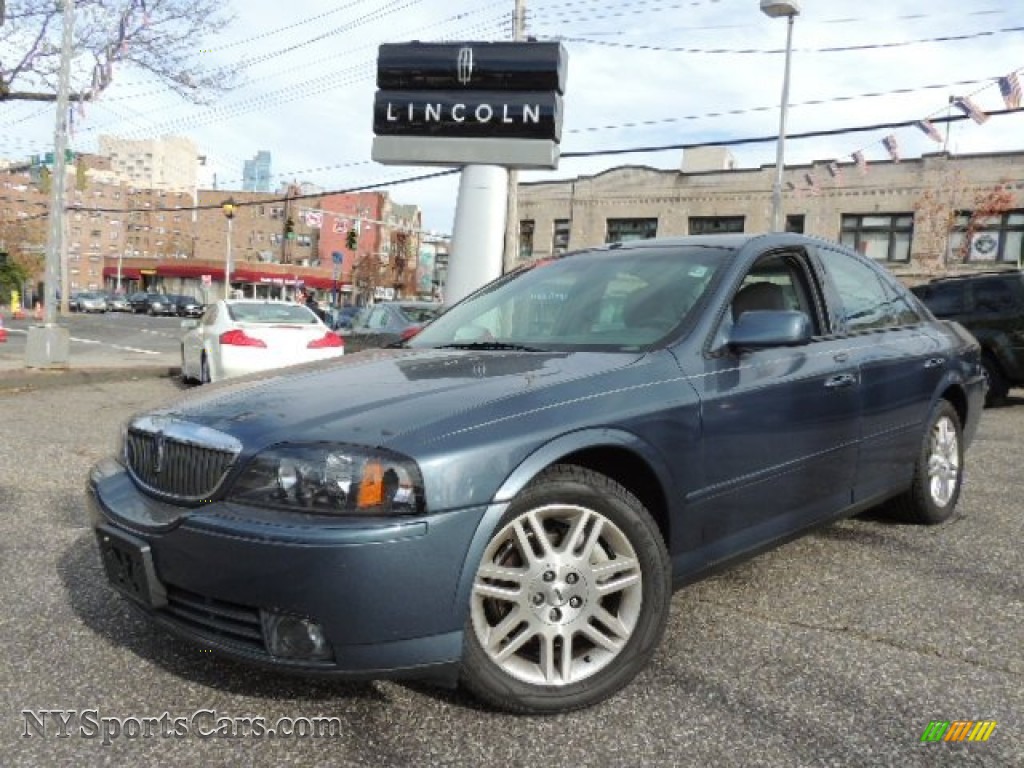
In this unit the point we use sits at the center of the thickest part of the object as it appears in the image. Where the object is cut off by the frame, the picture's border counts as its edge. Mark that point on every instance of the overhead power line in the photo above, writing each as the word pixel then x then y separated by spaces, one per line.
pixel 761 51
pixel 569 156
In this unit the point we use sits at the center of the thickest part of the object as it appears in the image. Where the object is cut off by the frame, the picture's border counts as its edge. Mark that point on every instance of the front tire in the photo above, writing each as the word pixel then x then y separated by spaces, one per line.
pixel 570 599
pixel 938 471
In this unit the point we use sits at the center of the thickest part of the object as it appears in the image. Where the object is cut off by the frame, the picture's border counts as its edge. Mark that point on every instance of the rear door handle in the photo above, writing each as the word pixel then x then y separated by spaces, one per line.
pixel 841 380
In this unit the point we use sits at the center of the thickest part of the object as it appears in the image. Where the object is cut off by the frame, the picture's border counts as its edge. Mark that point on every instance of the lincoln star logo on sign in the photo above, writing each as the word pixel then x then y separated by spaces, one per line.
pixel 465 65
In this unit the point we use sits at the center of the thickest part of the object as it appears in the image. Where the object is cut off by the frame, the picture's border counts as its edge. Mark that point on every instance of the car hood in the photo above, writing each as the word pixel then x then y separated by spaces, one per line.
pixel 373 397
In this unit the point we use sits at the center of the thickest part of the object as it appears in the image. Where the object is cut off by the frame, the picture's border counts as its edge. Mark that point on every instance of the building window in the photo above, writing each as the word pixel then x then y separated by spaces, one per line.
pixel 560 239
pixel 715 225
pixel 795 223
pixel 623 230
pixel 883 237
pixel 996 238
pixel 526 227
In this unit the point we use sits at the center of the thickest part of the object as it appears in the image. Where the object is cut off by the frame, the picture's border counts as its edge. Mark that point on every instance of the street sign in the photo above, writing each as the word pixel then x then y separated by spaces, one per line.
pixel 207 280
pixel 338 257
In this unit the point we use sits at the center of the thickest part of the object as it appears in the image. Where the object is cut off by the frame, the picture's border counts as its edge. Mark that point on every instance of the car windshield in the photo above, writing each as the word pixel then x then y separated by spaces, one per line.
pixel 419 314
pixel 271 313
pixel 615 299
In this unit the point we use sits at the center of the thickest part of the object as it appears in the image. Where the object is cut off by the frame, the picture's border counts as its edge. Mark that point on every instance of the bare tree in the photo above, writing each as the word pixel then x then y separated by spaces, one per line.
pixel 988 204
pixel 162 37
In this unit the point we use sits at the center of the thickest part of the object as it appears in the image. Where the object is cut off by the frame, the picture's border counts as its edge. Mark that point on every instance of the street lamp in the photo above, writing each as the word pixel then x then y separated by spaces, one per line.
pixel 774 9
pixel 228 206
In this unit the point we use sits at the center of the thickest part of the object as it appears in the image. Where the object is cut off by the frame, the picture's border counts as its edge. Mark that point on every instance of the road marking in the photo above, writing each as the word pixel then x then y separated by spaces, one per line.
pixel 116 346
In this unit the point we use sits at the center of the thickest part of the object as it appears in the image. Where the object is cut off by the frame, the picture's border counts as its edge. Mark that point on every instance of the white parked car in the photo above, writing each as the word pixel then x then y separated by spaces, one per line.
pixel 239 336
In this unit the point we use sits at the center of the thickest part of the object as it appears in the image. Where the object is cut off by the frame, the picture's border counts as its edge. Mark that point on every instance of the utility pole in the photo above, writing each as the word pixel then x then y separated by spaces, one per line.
pixel 512 206
pixel 48 345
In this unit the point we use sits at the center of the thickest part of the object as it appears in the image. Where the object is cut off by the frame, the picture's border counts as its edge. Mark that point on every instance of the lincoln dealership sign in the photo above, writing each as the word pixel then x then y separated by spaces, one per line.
pixel 469 103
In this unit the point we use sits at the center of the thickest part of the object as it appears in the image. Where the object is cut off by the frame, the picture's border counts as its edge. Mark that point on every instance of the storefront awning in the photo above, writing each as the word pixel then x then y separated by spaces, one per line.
pixel 127 273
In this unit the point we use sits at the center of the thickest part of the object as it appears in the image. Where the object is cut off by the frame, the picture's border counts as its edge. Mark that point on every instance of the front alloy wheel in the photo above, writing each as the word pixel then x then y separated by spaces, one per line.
pixel 570 597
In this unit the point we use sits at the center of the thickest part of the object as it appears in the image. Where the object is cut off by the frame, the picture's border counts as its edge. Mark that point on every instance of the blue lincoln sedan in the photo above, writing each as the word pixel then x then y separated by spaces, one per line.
pixel 507 501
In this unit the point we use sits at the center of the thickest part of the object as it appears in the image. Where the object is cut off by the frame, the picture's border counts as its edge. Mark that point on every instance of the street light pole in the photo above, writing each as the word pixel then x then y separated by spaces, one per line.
pixel 48 345
pixel 790 9
pixel 228 207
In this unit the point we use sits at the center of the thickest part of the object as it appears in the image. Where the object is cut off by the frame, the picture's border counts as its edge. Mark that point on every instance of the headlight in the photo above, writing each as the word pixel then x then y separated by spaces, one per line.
pixel 331 479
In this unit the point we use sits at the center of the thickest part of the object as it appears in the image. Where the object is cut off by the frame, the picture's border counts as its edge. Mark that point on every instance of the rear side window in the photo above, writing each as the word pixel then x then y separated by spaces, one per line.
pixel 992 297
pixel 943 299
pixel 864 302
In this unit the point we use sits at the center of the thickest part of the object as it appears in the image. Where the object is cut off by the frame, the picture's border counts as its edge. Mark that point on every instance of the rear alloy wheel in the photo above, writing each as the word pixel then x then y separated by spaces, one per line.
pixel 570 598
pixel 938 473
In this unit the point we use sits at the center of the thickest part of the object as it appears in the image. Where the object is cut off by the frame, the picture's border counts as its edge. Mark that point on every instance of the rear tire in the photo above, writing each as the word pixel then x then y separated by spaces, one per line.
pixel 998 388
pixel 570 599
pixel 938 471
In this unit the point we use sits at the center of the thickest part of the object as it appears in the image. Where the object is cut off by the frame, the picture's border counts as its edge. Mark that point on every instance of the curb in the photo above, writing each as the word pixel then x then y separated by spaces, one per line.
pixel 32 379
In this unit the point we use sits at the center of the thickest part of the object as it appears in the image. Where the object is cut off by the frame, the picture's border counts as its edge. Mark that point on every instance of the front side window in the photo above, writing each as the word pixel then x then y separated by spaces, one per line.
pixel 624 230
pixel 882 237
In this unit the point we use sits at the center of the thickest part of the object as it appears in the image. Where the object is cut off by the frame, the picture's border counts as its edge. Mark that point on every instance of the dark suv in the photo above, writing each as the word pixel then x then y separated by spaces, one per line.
pixel 991 306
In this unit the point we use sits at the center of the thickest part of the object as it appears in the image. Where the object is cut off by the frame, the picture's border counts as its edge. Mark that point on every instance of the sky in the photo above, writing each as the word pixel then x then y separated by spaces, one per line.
pixel 642 73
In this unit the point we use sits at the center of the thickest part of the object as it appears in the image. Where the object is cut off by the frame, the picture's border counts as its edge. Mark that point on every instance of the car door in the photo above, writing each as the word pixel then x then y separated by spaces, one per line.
pixel 369 330
pixel 901 360
pixel 779 425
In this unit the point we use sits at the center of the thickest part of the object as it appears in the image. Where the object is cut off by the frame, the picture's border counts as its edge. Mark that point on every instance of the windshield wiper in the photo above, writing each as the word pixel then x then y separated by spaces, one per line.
pixel 489 346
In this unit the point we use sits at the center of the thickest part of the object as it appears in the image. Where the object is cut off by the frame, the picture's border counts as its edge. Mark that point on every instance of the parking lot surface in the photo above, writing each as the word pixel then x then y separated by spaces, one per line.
pixel 838 649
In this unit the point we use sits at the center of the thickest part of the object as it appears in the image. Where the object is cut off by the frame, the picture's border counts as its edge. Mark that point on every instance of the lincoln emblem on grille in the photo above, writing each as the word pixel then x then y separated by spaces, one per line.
pixel 464 65
pixel 158 463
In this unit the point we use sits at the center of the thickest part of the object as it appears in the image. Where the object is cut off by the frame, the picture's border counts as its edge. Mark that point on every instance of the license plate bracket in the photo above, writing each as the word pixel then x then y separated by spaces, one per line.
pixel 128 562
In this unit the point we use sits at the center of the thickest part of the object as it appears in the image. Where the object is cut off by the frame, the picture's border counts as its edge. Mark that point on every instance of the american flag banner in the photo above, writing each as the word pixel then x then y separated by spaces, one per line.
pixel 862 164
pixel 790 186
pixel 929 130
pixel 812 183
pixel 835 172
pixel 969 108
pixel 889 142
pixel 1009 88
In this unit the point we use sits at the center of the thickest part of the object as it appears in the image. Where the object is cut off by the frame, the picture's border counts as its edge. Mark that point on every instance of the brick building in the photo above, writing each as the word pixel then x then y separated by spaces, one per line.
pixel 911 215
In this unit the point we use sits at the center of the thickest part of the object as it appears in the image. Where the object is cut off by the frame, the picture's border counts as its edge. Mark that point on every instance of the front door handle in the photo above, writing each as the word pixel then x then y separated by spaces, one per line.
pixel 934 362
pixel 841 380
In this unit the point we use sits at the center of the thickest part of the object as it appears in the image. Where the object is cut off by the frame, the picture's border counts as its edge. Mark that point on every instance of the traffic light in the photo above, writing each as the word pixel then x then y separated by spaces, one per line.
pixel 351 239
pixel 289 228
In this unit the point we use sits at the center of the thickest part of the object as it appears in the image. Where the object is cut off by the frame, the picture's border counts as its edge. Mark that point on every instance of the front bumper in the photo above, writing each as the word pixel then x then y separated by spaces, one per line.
pixel 383 590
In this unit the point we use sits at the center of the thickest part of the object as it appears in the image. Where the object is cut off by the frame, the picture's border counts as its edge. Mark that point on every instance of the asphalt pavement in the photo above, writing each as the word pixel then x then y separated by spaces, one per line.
pixel 837 649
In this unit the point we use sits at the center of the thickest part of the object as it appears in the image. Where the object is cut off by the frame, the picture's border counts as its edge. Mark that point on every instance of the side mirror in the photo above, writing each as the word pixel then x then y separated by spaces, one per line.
pixel 188 325
pixel 762 328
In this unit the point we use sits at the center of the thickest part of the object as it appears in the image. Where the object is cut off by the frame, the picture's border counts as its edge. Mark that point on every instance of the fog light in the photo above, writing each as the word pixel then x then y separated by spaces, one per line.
pixel 294 637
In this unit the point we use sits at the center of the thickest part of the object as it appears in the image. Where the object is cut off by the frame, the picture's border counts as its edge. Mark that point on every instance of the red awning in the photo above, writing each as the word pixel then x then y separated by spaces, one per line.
pixel 127 273
pixel 189 270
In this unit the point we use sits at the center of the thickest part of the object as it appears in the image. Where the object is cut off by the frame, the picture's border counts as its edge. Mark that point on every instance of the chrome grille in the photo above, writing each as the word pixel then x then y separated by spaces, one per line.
pixel 178 460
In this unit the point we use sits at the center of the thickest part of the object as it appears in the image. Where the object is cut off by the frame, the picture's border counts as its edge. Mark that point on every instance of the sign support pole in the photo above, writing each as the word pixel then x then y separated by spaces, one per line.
pixel 478 232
